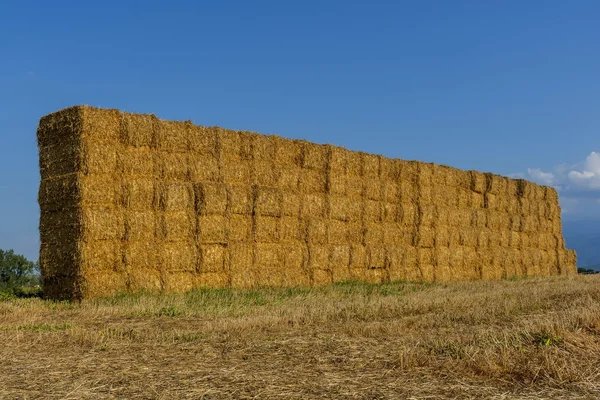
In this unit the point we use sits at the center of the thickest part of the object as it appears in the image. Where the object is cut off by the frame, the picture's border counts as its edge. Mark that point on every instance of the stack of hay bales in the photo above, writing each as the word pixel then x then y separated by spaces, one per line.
pixel 130 202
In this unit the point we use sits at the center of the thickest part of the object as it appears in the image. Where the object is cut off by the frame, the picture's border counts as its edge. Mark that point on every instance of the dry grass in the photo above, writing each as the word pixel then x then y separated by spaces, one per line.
pixel 523 339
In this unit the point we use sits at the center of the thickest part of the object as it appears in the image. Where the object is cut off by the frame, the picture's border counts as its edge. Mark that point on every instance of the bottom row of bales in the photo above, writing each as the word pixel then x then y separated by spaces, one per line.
pixel 248 265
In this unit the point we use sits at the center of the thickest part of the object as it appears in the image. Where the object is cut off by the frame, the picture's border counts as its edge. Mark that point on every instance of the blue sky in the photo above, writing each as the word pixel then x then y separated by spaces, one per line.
pixel 509 87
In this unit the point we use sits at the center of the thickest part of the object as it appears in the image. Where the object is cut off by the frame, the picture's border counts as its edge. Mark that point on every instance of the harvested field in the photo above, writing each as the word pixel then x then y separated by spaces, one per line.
pixel 536 338
pixel 129 202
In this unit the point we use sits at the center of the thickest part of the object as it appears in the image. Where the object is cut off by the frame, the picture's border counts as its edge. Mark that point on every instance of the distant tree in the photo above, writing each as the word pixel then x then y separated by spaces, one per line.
pixel 16 271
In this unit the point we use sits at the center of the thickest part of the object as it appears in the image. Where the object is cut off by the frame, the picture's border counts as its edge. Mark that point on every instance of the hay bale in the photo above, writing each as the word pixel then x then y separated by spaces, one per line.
pixel 179 256
pixel 468 237
pixel 267 201
pixel 290 229
pixel 289 178
pixel 175 196
pixel 315 156
pixel 355 188
pixel 427 215
pixel 239 199
pixel 138 130
pixel 233 172
pixel 229 144
pixel 263 147
pixel 54 193
pixel 175 226
pixel 338 232
pixel 288 152
pixel 178 281
pixel 442 236
pixel 372 211
pixel 390 212
pixel 425 263
pixel 213 228
pixel 239 228
pixel 314 206
pixel 210 198
pixel 392 234
pixel 265 173
pixel 340 208
pixel 408 214
pixel 212 258
pixel 204 140
pixel 141 254
pixel 100 256
pixel 372 189
pixel 425 236
pixel 98 158
pixel 441 262
pixel 479 219
pixel 356 233
pixel 358 257
pixel 313 181
pixel 316 231
pixel 266 229
pixel 138 194
pixel 139 225
pixel 101 223
pixel 373 233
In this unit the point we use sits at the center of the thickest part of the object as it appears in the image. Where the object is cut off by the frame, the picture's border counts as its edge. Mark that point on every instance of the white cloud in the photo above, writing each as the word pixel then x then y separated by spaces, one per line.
pixel 587 175
pixel 545 178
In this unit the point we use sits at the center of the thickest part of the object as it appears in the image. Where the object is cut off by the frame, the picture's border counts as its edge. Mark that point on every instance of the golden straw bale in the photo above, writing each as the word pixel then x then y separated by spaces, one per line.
pixel 204 140
pixel 99 158
pixel 141 254
pixel 138 130
pixel 390 212
pixel 212 280
pixel 138 194
pixel 61 260
pixel 337 183
pixel 390 170
pixel 240 257
pixel 138 162
pixel 354 163
pixel 516 222
pixel 288 152
pixel 173 136
pixel 439 175
pixel 173 166
pixel 468 237
pixel 175 226
pixel 425 194
pixel 212 258
pixel 391 192
pixel 267 201
pixel 410 262
pixel 101 255
pixel 58 160
pixel 179 256
pixel 479 219
pixel 559 240
pixel 483 238
pixel 477 200
pixel 267 229
pixel 394 257
pixel 265 173
pixel 60 192
pixel 62 128
pixel 372 188
pixel 318 257
pixel 376 257
pixel 464 198
pixel 392 234
pixel 478 181
pixel 144 279
pixel 338 160
pixel 175 196
pixel 371 166
pixel 356 233
pixel 290 229
pixel 514 240
pixel 570 262
pixel 314 206
pixel 491 201
pixel 213 228
pixel 234 172
pixel 442 271
pixel 263 147
pixel 539 193
pixel 229 145
pixel 291 204
pixel 425 262
pixel 497 221
pixel 471 268
pixel 427 215
pixel 315 156
pixel 313 181
pixel 178 281
pixel 457 264
pixel 424 174
pixel 100 125
pixel 288 178
pixel 455 237
pixel 531 223
pixel 59 227
pixel 442 236
pixel 205 168
pixel 408 191
pixel 340 208
pixel 338 232
pixel 239 227
pixel 355 188
pixel 408 214
pixel 373 233
pixel 358 257
pixel 239 199
pixel 103 283
pixel 139 225
pixel 316 231
pixel 372 211
pixel 210 198
pixel 425 236
pixel 101 223
pixel 339 260
pixel 550 195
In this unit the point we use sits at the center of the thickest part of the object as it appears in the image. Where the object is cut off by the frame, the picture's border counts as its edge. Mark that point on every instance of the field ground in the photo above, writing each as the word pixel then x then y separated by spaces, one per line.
pixel 535 338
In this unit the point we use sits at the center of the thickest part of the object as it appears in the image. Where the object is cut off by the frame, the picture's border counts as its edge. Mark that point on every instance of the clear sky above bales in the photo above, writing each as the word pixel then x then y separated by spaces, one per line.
pixel 510 87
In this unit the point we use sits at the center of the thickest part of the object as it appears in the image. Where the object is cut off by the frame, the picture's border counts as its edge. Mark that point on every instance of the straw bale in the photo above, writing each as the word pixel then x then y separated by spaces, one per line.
pixel 138 130
pixel 439 175
pixel 394 256
pixel 56 161
pixel 391 192
pixel 316 231
pixel 427 215
pixel 477 200
pixel 358 257
pixel 464 198
pixel 526 189
pixel 442 236
pixel 441 262
pixel 539 193
pixel 288 152
pixel 457 263
pixel 376 257
pixel 478 181
pixel 424 236
pixel 139 225
pixel 173 166
pixel 236 172
pixel 289 178
pixel 101 223
pixel 173 136
pixel 571 262
pixel 62 128
pixel 354 163
pixel 408 191
pixel 391 169
pixel 468 237
pixel 210 198
pixel 212 258
pixel 265 173
pixel 314 206
pixel 144 279
pixel 448 196
pixel 373 189
pixel 460 218
pixel 531 223
pixel 213 228
pixel 263 147
pixel 356 234
pixel 479 219
pixel 321 277
pixel 492 202
pixel 338 232
pixel 100 125
pixel 101 255
pixel 267 201
pixel 337 183
pixel 240 256
pixel 175 196
pixel 239 199
pixel 442 216
pixel 178 281
pixel 371 166
pixel 318 257
pixel 314 156
pixel 212 280
pixel 373 211
pixel 104 283
pixel 98 158
pixel 294 256
pixel 179 256
pixel 455 236
pixel 483 238
pixel 408 214
pixel 355 188
pixel 390 212
pixel 339 259
pixel 497 221
pixel 59 227
pixel 516 222
pixel 238 227
pixel 425 194
pixel 340 208
pixel 411 268
pixel 59 259
pixel 137 194
pixel 290 229
pixel 338 160
pixel 549 260
pixel 204 168
pixel 205 140
pixel 175 226
pixel 424 174
pixel 313 181
pixel 373 233
pixel 267 229
pixel 550 195
pixel 559 240
pixel 496 184
pixel 425 262
pixel 56 193
pixel 142 254
pixel 392 233
pixel 230 144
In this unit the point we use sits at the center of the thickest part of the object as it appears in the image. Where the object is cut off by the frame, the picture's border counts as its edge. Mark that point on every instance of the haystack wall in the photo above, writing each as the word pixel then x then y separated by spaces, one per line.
pixel 130 202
